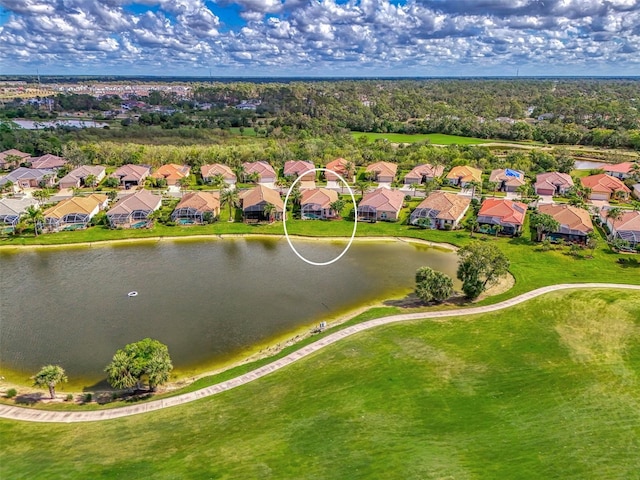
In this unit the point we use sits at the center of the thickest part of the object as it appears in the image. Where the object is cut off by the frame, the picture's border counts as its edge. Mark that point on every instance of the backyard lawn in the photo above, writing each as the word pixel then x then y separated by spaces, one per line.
pixel 435 138
pixel 547 389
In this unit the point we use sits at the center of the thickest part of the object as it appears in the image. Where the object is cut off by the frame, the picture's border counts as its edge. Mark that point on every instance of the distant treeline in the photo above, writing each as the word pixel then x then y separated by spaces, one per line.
pixel 563 111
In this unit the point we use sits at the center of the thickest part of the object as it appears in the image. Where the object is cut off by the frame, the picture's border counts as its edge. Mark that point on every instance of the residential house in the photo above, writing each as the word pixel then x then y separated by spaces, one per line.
pixel 131 175
pixel 506 213
pixel 11 209
pixel 133 210
pixel 23 177
pixel 382 172
pixel 626 228
pixel 553 183
pixel 381 204
pixel 255 201
pixel 195 207
pixel 76 177
pixel 605 187
pixel 172 173
pixel 342 167
pixel 423 174
pixel 462 175
pixel 575 223
pixel 506 179
pixel 209 172
pixel 12 158
pixel 295 168
pixel 73 213
pixel 48 161
pixel 622 170
pixel 265 172
pixel 441 210
pixel 316 204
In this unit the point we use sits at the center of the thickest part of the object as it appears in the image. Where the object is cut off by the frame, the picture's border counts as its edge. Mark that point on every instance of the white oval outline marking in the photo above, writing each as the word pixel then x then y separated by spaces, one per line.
pixel 284 218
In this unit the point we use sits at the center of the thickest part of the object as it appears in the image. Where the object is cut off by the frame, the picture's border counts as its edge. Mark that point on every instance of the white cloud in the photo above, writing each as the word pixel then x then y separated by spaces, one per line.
pixel 292 35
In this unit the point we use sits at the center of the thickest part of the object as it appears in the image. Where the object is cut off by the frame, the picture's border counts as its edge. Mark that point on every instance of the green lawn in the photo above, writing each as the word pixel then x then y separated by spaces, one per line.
pixel 547 389
pixel 434 138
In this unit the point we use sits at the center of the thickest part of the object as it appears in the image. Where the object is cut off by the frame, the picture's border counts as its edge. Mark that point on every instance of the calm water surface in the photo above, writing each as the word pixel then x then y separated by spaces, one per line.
pixel 207 300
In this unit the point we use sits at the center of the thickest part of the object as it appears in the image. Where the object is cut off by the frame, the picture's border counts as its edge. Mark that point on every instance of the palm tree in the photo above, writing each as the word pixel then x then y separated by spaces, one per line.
pixel 472 224
pixel 474 184
pixel 240 173
pixel 614 214
pixel 362 187
pixel 230 197
pixel 337 206
pixel 6 187
pixel 184 183
pixel 592 241
pixel 91 181
pixel 35 217
pixel 349 171
pixel 253 177
pixel 269 211
pixel 41 195
pixel 50 376
pixel 218 181
pixel 544 223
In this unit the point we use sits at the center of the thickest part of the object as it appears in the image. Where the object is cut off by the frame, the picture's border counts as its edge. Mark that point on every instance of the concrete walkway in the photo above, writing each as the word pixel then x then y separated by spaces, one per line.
pixel 36 415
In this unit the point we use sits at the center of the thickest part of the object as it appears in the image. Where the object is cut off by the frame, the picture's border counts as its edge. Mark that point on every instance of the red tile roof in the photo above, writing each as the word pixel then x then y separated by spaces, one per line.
pixel 384 169
pixel 339 165
pixel 550 180
pixel 383 199
pixel 262 168
pixel 209 171
pixel 570 217
pixel 465 172
pixel 261 193
pixel 624 167
pixel 507 211
pixel 320 196
pixel 298 167
pixel 604 183
pixel 425 170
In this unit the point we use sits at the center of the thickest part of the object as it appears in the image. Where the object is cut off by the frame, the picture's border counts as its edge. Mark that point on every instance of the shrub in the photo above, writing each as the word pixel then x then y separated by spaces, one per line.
pixel 69 397
pixel 87 398
pixel 12 392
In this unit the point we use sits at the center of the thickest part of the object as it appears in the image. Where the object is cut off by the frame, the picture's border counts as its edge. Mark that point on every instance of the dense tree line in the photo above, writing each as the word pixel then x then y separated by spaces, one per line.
pixel 590 112
pixel 565 111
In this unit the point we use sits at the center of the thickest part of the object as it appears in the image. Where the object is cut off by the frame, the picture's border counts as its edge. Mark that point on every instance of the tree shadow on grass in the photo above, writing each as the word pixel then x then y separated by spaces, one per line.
pixel 30 398
pixel 412 301
pixel 629 262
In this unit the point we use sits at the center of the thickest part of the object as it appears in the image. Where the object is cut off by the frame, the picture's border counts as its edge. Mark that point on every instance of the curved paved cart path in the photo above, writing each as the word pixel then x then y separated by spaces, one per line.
pixel 36 415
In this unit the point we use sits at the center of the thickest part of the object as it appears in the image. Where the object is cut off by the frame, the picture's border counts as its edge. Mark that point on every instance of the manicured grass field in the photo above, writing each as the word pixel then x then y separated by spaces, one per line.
pixel 547 389
pixel 435 138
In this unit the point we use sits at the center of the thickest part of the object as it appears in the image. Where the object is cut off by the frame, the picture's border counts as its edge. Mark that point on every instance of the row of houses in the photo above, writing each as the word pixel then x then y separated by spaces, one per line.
pixel 41 173
pixel 444 211
pixel 440 210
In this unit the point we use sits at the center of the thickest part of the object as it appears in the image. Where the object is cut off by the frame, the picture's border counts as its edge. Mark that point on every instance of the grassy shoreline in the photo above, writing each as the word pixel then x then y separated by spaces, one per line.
pixel 532 391
pixel 530 267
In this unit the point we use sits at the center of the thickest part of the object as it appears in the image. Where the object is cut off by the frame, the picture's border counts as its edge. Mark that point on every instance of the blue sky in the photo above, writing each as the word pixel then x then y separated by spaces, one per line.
pixel 320 37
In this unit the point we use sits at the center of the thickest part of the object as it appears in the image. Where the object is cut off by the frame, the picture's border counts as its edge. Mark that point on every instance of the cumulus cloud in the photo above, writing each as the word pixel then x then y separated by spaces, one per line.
pixel 322 36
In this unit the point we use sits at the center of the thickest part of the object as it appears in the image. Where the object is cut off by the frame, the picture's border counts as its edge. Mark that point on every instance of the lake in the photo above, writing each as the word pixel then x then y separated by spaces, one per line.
pixel 35 125
pixel 209 301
